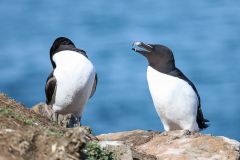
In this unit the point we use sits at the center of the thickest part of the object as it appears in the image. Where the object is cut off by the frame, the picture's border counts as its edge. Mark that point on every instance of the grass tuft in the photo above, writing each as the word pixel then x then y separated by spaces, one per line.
pixel 93 151
pixel 53 132
pixel 8 112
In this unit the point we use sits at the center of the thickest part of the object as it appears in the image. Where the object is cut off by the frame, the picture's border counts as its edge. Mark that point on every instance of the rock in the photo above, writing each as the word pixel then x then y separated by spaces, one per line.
pixel 43 109
pixel 119 150
pixel 82 134
pixel 67 121
pixel 176 145
pixel 74 141
pixel 27 135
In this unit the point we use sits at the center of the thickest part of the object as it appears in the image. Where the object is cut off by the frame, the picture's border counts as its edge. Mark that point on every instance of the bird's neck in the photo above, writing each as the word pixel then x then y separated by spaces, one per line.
pixel 65 47
pixel 163 68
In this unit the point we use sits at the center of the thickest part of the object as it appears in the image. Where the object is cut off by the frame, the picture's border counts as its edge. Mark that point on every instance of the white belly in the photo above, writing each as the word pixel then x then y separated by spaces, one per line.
pixel 174 99
pixel 75 77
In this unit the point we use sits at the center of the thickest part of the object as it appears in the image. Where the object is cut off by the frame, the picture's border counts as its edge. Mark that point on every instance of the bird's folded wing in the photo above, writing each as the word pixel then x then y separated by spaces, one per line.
pixel 200 118
pixel 94 85
pixel 50 88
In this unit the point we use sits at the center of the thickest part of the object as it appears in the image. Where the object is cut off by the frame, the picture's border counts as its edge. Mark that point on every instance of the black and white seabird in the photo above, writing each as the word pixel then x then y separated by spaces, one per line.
pixel 175 97
pixel 73 79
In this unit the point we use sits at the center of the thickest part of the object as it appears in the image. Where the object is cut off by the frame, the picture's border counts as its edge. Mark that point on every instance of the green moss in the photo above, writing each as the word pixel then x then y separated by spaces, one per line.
pixel 53 132
pixel 8 112
pixel 5 111
pixel 93 151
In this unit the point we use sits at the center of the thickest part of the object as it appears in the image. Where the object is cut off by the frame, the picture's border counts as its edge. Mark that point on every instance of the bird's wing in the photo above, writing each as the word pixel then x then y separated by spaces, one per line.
pixel 50 88
pixel 94 85
pixel 200 119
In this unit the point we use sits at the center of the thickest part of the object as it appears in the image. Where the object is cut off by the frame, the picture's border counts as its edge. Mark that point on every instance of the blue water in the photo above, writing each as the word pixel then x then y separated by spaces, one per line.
pixel 204 36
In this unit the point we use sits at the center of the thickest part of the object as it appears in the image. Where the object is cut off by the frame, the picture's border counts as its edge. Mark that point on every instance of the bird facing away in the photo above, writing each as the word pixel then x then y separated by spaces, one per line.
pixel 175 97
pixel 72 81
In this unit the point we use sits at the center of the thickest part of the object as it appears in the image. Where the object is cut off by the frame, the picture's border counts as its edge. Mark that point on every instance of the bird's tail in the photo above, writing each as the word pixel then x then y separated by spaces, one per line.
pixel 202 122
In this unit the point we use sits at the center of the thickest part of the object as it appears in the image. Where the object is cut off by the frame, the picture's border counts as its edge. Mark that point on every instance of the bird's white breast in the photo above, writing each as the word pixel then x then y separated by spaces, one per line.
pixel 174 99
pixel 75 77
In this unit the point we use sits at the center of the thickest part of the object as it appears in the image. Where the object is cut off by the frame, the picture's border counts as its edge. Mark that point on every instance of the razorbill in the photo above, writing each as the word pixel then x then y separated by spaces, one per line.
pixel 73 79
pixel 175 97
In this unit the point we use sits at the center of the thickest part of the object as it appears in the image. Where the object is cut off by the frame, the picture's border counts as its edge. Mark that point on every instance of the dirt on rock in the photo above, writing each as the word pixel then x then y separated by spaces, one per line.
pixel 27 135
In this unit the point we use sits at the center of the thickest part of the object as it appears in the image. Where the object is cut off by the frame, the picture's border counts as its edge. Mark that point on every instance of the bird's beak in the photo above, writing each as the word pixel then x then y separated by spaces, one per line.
pixel 142 48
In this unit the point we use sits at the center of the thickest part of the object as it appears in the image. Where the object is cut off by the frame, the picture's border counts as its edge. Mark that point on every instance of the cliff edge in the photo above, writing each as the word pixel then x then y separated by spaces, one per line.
pixel 25 134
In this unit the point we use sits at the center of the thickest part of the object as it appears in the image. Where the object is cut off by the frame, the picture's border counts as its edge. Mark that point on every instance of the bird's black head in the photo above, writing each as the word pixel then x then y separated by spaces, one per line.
pixel 61 43
pixel 159 57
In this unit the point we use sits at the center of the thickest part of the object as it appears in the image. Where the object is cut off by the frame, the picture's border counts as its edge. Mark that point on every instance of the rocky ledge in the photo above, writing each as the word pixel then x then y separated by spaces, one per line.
pixel 179 145
pixel 25 134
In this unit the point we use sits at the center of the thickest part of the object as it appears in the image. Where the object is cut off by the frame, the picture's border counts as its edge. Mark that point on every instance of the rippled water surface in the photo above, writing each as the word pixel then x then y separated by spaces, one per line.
pixel 204 36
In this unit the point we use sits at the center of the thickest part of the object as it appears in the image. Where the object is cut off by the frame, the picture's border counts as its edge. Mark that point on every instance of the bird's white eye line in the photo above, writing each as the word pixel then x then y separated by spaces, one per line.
pixel 149 46
pixel 137 43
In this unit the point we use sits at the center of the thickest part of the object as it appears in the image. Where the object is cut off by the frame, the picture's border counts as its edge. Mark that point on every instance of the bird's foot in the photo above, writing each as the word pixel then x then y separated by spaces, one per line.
pixel 54 117
pixel 58 118
pixel 186 132
pixel 74 121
